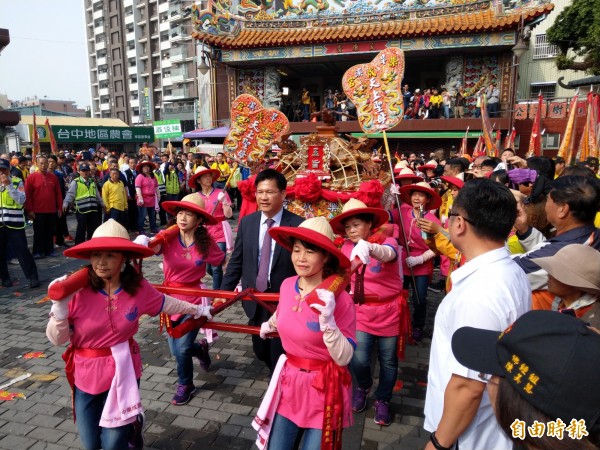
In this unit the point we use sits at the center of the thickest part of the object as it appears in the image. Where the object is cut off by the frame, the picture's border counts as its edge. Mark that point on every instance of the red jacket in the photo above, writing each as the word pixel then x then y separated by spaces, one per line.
pixel 42 193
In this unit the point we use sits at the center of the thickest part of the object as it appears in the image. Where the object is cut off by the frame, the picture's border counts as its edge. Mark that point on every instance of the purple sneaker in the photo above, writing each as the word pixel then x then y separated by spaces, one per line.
pixel 184 394
pixel 382 413
pixel 359 399
pixel 203 355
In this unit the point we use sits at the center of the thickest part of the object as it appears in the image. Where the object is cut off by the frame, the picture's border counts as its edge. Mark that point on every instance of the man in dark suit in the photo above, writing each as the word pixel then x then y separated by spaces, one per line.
pixel 130 175
pixel 245 260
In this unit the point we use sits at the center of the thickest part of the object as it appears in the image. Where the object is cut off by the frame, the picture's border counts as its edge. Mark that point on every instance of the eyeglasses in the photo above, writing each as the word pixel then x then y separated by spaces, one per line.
pixel 453 214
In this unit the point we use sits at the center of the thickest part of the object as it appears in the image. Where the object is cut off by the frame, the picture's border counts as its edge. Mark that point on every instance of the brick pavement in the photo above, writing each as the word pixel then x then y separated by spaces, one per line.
pixel 219 415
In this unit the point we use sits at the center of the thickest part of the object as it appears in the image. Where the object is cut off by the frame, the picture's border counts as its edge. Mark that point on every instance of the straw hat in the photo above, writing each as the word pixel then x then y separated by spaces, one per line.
pixel 191 202
pixel 402 164
pixel 110 236
pixel 454 181
pixel 430 165
pixel 407 174
pixel 141 164
pixel 201 170
pixel 575 265
pixel 354 207
pixel 315 230
pixel 434 201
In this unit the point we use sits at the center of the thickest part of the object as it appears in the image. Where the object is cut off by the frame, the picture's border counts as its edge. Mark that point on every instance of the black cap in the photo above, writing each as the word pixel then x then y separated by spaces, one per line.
pixel 550 359
pixel 4 164
pixel 84 166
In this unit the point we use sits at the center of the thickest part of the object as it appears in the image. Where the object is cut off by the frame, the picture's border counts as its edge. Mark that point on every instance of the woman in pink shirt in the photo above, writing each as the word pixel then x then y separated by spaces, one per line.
pixel 103 361
pixel 417 202
pixel 147 195
pixel 218 204
pixel 184 265
pixel 377 322
pixel 317 329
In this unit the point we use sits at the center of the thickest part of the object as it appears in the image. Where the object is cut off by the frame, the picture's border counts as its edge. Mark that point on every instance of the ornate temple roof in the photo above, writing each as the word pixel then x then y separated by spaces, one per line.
pixel 469 18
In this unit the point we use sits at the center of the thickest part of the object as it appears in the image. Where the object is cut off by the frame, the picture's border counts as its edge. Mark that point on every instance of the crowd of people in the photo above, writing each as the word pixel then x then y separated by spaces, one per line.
pixel 508 236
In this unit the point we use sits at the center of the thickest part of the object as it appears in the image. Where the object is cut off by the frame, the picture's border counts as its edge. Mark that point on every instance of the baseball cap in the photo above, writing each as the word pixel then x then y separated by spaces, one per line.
pixel 550 359
pixel 84 167
pixel 4 164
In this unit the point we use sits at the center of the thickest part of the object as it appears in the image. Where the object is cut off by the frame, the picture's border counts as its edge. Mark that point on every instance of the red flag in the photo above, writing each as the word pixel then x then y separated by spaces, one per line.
pixel 479 149
pixel 588 144
pixel 463 144
pixel 490 145
pixel 535 141
pixel 35 139
pixel 509 141
pixel 53 145
pixel 566 146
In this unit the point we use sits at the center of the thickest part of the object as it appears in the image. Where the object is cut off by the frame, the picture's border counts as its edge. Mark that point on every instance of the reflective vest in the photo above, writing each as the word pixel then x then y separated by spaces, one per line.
pixel 162 189
pixel 85 198
pixel 12 212
pixel 172 183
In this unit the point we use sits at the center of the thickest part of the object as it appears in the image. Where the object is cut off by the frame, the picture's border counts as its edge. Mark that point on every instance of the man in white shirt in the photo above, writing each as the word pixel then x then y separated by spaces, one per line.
pixel 490 291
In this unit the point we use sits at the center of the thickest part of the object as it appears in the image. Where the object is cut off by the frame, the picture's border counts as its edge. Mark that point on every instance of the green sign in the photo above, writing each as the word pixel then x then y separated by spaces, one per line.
pixel 70 134
pixel 167 129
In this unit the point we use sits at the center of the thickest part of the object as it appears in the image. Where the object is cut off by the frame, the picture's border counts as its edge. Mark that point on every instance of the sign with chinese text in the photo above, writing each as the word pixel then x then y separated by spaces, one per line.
pixel 74 134
pixel 164 129
pixel 315 157
pixel 375 90
pixel 253 129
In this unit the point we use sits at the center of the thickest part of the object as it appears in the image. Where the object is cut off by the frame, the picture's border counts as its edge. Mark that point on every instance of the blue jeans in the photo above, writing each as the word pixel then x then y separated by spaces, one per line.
pixel 142 210
pixel 420 303
pixel 360 365
pixel 183 350
pixel 286 433
pixel 216 272
pixel 88 409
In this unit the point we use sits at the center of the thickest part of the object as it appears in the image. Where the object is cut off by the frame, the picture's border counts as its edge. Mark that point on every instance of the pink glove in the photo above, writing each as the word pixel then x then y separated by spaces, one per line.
pixel 266 328
pixel 326 319
pixel 413 261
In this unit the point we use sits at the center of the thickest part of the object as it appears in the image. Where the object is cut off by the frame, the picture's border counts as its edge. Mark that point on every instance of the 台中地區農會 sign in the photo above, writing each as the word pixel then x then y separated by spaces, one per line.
pixel 74 134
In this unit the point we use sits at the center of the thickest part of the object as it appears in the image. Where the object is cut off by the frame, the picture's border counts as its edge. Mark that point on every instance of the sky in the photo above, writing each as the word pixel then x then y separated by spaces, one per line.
pixel 47 54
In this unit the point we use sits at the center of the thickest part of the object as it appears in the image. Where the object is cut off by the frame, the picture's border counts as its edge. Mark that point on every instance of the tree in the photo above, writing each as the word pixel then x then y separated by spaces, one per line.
pixel 576 32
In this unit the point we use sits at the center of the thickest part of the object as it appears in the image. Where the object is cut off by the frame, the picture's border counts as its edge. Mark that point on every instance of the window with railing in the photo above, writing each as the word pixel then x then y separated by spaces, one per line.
pixel 543 49
pixel 548 90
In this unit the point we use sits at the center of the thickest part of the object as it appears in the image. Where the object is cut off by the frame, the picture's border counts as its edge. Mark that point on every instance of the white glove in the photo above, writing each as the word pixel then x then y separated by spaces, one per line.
pixel 203 311
pixel 428 255
pixel 142 239
pixel 361 250
pixel 60 309
pixel 266 328
pixel 413 261
pixel 326 319
pixel 221 196
pixel 394 189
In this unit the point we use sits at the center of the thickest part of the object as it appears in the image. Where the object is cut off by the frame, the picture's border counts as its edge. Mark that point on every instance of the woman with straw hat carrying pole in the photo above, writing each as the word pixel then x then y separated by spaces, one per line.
pixel 103 361
pixel 309 392
pixel 185 257
pixel 377 323
pixel 218 204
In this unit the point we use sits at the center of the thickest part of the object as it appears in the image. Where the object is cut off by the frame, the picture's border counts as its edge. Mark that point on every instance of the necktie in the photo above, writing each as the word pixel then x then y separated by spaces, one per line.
pixel 265 257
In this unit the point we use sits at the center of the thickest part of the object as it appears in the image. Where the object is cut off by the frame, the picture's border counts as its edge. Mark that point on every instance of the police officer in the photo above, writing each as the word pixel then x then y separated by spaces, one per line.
pixel 83 192
pixel 12 227
pixel 162 189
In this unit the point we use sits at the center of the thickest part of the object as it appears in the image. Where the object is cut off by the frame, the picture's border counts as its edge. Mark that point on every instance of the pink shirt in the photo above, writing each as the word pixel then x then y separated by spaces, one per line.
pixel 416 245
pixel 211 203
pixel 382 279
pixel 148 185
pixel 97 322
pixel 301 336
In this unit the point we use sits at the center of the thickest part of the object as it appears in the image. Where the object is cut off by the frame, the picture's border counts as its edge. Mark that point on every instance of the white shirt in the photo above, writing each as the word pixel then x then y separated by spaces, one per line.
pixel 261 236
pixel 490 292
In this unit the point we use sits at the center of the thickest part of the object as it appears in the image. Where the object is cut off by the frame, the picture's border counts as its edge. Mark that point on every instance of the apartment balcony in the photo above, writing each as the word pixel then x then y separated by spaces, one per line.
pixel 130 36
pixel 165 45
pixel 100 45
pixel 179 93
pixel 165 63
pixel 99 30
pixel 167 81
pixel 178 53
pixel 132 70
pixel 129 19
pixel 178 75
pixel 127 3
pixel 162 7
pixel 134 103
pixel 103 91
pixel 104 106
pixel 131 53
pixel 164 26
pixel 103 76
pixel 98 14
pixel 101 61
pixel 177 32
pixel 175 13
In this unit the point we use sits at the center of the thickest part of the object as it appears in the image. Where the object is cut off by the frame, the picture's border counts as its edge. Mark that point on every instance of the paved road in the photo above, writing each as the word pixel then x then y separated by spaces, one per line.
pixel 219 415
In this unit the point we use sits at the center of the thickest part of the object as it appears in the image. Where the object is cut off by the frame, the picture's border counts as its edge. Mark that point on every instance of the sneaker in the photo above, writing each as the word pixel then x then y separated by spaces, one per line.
pixel 184 394
pixel 34 282
pixel 136 436
pixel 382 413
pixel 417 335
pixel 203 355
pixel 38 256
pixel 359 399
pixel 14 262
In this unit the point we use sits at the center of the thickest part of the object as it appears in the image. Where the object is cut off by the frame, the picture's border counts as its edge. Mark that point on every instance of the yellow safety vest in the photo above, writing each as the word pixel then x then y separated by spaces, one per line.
pixel 11 211
pixel 162 189
pixel 172 183
pixel 85 198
